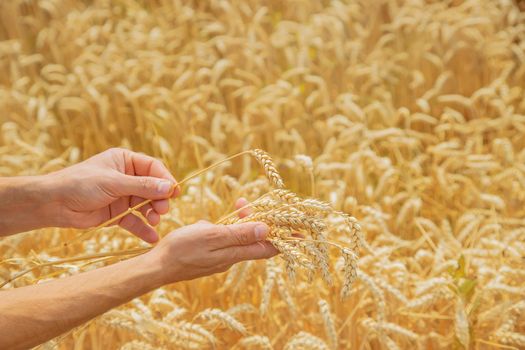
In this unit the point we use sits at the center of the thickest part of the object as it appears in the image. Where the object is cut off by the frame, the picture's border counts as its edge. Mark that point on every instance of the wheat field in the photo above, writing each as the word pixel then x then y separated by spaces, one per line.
pixel 406 116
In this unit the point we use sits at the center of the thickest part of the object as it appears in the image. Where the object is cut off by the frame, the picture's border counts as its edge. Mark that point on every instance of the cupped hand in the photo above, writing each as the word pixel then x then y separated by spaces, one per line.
pixel 203 248
pixel 107 184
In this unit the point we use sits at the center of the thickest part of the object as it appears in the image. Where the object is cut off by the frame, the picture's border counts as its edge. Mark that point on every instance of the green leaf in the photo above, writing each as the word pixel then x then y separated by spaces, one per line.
pixel 459 271
pixel 466 287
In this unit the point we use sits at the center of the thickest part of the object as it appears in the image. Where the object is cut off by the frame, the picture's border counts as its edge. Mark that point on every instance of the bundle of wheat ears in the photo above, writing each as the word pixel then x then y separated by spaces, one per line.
pixel 286 213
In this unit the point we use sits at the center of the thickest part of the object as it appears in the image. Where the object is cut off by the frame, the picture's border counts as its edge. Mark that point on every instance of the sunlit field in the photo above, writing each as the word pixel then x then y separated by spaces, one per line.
pixel 397 128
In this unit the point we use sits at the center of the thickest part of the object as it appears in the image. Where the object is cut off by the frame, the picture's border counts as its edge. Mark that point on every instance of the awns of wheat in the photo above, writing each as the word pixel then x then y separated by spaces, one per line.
pixel 299 229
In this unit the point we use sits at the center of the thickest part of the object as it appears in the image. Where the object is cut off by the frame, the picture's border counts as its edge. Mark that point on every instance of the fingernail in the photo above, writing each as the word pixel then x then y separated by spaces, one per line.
pixel 164 187
pixel 260 232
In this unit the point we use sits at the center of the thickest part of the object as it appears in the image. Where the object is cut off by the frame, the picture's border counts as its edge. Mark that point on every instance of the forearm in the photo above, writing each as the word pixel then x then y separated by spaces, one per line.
pixel 34 314
pixel 26 203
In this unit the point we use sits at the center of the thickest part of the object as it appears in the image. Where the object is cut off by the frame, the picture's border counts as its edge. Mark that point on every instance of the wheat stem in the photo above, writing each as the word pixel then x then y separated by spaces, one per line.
pixel 135 251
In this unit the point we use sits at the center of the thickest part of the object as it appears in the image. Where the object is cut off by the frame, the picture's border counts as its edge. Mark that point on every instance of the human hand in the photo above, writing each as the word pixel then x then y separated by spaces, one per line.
pixel 203 248
pixel 107 184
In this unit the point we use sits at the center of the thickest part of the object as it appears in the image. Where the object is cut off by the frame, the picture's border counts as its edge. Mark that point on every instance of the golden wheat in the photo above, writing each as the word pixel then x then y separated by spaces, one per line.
pixel 408 116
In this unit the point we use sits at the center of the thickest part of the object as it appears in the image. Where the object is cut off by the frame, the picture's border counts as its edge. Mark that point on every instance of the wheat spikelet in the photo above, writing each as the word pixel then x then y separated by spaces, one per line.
pixel 328 322
pixel 305 341
pixel 392 328
pixel 237 275
pixel 119 324
pixel 285 196
pixel 512 338
pixel 431 284
pixel 390 344
pixel 511 316
pixel 494 312
pixel 264 204
pixel 223 318
pixel 378 330
pixel 304 161
pixel 308 205
pixel 285 295
pixel 175 314
pixel 121 321
pixel 201 335
pixel 256 342
pixel 396 293
pixel 379 297
pixel 160 302
pixel 269 167
pixel 289 251
pixel 232 275
pixel 355 233
pixel 398 330
pixel 271 276
pixel 290 218
pixel 430 298
pixel 349 271
pixel 241 309
pixel 139 304
pixel 461 324
pixel 317 258
pixel 139 345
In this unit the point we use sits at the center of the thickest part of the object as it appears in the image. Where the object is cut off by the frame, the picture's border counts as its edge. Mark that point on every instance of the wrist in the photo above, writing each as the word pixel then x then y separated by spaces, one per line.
pixel 49 195
pixel 26 203
pixel 156 272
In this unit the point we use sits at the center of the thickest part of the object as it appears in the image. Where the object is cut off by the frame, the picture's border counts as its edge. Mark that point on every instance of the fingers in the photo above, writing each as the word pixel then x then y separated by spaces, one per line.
pixel 134 225
pixel 237 234
pixel 148 210
pixel 143 165
pixel 259 250
pixel 241 202
pixel 161 206
pixel 144 186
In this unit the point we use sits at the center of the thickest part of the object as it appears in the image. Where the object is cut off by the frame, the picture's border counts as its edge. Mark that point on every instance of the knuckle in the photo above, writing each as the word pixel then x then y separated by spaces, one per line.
pixel 146 183
pixel 240 236
pixel 243 237
pixel 246 237
pixel 228 232
pixel 213 237
pixel 157 163
pixel 116 150
pixel 113 178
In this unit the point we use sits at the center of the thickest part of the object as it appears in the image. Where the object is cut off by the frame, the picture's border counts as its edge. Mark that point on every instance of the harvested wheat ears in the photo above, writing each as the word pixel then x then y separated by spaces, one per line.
pixel 407 115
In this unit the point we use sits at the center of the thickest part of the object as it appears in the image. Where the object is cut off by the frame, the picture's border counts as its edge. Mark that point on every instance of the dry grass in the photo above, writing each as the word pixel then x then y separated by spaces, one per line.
pixel 408 116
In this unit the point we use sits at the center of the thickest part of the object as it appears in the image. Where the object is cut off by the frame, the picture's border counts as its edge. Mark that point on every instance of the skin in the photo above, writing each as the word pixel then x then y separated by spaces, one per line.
pixel 86 195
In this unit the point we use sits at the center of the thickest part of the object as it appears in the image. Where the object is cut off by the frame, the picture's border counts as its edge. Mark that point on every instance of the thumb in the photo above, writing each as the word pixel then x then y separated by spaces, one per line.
pixel 145 187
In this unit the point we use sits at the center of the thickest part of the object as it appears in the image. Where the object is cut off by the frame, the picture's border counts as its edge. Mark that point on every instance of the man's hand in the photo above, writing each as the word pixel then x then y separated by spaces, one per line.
pixel 92 192
pixel 46 310
pixel 203 249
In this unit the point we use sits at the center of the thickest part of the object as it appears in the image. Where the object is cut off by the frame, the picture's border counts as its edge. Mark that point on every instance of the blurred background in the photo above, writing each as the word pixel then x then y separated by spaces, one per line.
pixel 413 113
